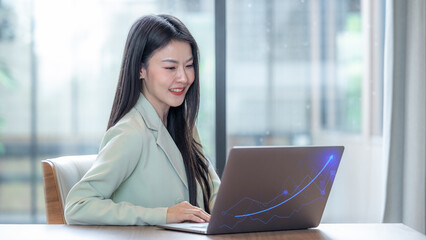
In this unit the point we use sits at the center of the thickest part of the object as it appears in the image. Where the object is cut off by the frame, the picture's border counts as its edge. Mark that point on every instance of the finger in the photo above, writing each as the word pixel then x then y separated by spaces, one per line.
pixel 187 206
pixel 195 211
pixel 199 213
pixel 194 218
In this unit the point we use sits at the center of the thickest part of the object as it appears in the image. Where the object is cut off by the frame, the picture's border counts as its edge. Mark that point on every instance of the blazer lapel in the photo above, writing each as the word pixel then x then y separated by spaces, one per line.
pixel 164 140
pixel 166 143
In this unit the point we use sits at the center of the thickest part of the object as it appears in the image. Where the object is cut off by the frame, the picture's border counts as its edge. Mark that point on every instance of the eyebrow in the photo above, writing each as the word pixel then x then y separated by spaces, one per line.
pixel 175 61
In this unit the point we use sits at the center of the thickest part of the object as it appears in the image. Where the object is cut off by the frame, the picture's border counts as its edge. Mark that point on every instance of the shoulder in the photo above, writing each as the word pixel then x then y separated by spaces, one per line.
pixel 130 129
pixel 132 121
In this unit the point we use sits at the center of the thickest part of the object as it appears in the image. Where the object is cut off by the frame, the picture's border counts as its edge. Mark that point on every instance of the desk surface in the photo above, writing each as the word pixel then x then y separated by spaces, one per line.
pixel 324 231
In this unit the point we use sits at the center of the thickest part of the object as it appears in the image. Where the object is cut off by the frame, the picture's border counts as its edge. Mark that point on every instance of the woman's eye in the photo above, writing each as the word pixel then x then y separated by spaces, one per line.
pixel 170 68
pixel 189 66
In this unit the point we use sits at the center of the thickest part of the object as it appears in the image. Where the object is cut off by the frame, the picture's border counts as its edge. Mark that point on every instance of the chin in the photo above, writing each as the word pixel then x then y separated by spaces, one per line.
pixel 176 103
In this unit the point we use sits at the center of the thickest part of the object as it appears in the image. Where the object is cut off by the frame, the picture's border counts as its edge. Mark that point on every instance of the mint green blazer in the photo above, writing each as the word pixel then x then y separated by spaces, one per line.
pixel 138 174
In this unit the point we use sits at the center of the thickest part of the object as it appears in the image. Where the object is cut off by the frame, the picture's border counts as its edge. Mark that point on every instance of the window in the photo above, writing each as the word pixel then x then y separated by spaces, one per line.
pixel 268 73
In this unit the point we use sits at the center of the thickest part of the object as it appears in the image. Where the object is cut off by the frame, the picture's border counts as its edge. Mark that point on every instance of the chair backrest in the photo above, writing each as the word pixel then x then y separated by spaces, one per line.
pixel 59 176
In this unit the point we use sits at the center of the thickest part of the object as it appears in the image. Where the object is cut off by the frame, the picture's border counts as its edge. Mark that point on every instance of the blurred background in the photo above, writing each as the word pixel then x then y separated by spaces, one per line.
pixel 297 73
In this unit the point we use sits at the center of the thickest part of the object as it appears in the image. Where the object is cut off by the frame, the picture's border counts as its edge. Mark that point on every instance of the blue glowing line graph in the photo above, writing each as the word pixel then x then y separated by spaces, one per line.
pixel 292 213
pixel 321 189
pixel 288 199
pixel 275 216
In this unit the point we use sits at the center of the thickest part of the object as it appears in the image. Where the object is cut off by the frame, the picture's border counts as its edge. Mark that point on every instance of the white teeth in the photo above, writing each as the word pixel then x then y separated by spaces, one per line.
pixel 176 90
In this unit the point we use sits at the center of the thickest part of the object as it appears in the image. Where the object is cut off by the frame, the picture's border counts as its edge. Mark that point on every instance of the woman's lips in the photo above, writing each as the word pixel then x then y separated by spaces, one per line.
pixel 177 91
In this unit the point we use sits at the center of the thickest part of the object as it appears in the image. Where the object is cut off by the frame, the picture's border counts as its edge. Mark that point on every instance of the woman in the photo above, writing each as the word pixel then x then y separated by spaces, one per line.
pixel 150 168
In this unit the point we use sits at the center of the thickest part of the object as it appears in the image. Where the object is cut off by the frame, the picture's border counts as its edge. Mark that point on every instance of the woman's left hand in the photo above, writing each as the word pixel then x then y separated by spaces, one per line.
pixel 185 212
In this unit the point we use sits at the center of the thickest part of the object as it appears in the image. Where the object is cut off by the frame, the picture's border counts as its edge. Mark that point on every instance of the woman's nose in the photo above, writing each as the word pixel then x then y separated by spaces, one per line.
pixel 182 76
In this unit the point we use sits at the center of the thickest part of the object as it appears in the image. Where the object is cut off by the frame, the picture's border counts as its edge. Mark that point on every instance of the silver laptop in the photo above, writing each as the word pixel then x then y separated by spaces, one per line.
pixel 271 188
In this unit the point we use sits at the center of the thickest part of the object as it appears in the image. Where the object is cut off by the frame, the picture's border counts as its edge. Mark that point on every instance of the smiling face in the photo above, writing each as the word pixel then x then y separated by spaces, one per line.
pixel 168 76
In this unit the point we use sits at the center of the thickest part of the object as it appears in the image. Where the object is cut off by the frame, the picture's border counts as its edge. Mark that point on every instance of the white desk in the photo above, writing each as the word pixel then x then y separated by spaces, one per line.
pixel 324 231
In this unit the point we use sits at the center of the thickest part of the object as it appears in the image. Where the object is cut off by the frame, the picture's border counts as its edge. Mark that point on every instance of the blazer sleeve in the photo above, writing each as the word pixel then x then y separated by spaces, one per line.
pixel 215 183
pixel 89 201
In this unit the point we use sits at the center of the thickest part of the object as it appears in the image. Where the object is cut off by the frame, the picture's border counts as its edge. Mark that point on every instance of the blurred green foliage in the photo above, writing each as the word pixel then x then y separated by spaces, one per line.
pixel 353 23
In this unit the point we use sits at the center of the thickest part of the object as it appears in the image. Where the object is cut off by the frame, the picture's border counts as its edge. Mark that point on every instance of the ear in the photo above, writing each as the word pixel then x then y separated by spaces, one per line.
pixel 142 73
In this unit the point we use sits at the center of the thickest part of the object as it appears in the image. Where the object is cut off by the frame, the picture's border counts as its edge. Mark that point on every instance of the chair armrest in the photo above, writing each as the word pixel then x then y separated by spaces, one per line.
pixel 53 201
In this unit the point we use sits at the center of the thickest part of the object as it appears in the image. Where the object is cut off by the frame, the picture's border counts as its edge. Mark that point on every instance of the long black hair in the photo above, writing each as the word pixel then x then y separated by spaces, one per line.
pixel 148 34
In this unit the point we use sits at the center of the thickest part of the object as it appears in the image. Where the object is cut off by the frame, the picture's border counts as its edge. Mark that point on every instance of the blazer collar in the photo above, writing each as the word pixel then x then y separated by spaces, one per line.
pixel 163 138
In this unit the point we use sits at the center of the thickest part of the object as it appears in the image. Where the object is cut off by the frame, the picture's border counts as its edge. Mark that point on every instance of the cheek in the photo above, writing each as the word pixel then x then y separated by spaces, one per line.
pixel 160 78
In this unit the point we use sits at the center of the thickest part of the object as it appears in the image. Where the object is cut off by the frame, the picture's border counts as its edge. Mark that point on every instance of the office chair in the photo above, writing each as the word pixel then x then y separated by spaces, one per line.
pixel 59 176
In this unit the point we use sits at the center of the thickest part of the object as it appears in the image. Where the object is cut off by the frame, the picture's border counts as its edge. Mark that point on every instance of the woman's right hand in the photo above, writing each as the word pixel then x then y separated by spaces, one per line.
pixel 185 212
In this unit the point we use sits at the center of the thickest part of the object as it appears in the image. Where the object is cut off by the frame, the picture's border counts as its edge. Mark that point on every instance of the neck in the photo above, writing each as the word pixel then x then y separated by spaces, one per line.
pixel 162 113
pixel 164 119
pixel 162 110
